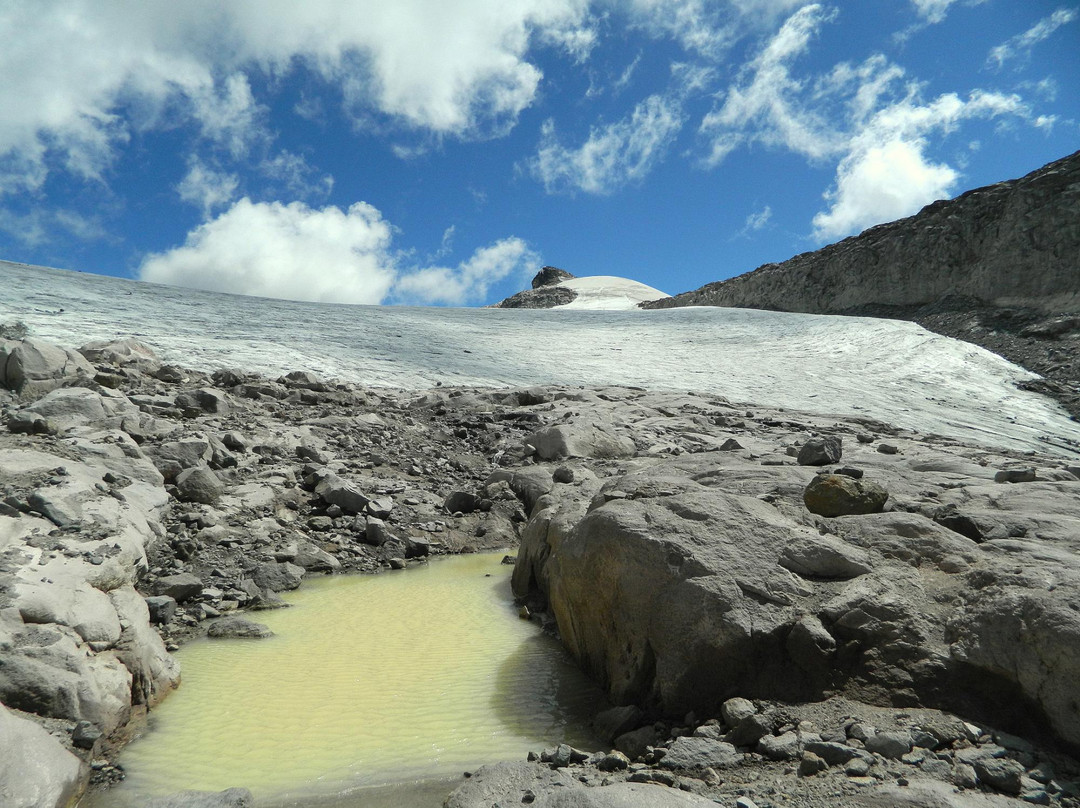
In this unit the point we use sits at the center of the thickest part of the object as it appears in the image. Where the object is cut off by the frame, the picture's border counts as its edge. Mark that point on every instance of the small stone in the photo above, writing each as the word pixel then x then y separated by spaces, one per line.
pixel 735 710
pixel 613 761
pixel 1015 476
pixel 237 627
pixel 857 767
pixel 811 764
pixel 563 474
pixel 887 448
pixel 85 735
pixel 834 495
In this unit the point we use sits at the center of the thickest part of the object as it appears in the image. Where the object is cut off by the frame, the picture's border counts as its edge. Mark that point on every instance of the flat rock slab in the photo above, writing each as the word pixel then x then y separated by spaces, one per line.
pixel 240 628
pixel 699 753
pixel 229 798
pixel 37 772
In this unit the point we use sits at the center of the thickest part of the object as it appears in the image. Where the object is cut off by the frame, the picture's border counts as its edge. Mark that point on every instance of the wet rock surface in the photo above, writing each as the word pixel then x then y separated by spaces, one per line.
pixel 664 536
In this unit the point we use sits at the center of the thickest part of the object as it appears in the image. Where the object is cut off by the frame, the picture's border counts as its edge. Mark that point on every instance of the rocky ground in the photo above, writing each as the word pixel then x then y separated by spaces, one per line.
pixel 849 578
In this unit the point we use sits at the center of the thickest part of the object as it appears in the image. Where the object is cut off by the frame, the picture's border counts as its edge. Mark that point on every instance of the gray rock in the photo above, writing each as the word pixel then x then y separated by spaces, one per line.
pixel 749 731
pixel 825 557
pixel 617 720
pixel 85 735
pixel 811 764
pixel 1000 774
pixel 278 576
pixel 237 627
pixel 839 495
pixel 735 711
pixel 1015 476
pixel 698 753
pixel 335 490
pixel 313 558
pixel 891 745
pixel 200 485
pixel 37 772
pixel 507 783
pixel 634 744
pixel 32 367
pixel 179 587
pixel 780 747
pixel 832 752
pixel 580 440
pixel 821 451
pixel 461 501
pixel 550 276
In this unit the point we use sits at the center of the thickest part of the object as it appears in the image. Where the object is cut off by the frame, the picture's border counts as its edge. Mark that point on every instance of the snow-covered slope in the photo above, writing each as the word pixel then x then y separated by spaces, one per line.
pixel 609 293
pixel 884 369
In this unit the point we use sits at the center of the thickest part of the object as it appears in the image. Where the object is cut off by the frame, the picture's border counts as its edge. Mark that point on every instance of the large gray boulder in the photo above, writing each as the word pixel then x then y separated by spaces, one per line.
pixel 126 351
pixel 32 367
pixel 597 440
pixel 37 771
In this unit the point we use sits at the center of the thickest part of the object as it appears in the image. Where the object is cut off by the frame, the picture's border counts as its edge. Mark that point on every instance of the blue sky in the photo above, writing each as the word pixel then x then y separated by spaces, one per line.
pixel 440 151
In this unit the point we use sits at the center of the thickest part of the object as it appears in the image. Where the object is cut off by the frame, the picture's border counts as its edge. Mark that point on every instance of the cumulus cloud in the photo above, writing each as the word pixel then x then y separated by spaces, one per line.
pixel 470 280
pixel 77 78
pixel 297 178
pixel 763 103
pixel 289 251
pixel 327 255
pixel 207 188
pixel 613 155
pixel 870 118
pixel 1020 45
pixel 886 173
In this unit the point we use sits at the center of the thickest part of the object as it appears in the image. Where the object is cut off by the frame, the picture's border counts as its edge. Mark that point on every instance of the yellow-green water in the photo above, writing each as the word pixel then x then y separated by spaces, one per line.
pixel 370 680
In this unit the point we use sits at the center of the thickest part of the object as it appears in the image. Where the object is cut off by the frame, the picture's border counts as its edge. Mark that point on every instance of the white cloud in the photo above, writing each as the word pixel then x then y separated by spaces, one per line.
pixel 933 11
pixel 297 177
pixel 206 187
pixel 328 255
pixel 886 173
pixel 77 77
pixel 613 155
pixel 763 104
pixel 470 280
pixel 705 27
pixel 756 221
pixel 1020 45
pixel 40 225
pixel 284 251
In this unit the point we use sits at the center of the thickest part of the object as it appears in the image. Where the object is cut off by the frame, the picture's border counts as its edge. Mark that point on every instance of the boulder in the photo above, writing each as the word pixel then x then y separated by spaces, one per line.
pixel 37 771
pixel 821 451
pixel 549 276
pixel 237 627
pixel 335 490
pixel 313 558
pixel 595 440
pixel 839 495
pixel 153 670
pixel 700 753
pixel 461 501
pixel 180 587
pixel 199 485
pixel 278 576
pixel 32 367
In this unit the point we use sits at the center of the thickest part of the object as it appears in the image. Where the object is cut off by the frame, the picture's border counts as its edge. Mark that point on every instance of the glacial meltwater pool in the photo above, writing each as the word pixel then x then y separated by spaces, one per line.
pixel 376 690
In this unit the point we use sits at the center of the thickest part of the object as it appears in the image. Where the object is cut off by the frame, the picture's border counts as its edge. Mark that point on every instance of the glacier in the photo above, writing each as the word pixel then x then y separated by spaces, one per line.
pixel 887 370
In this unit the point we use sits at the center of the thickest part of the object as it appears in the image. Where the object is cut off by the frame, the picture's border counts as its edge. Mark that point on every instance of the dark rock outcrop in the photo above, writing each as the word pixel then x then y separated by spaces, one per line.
pixel 1010 244
pixel 549 276
pixel 546 293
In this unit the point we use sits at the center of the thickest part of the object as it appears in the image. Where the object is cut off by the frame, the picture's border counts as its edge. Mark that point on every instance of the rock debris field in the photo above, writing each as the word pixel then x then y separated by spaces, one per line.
pixel 791 609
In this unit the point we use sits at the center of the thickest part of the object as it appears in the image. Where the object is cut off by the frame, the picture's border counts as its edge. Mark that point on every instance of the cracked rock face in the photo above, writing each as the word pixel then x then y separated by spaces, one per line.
pixel 1009 244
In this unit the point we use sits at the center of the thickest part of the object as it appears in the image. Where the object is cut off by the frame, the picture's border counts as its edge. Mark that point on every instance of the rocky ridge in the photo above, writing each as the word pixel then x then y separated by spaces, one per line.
pixel 689 550
pixel 545 292
pixel 1012 244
